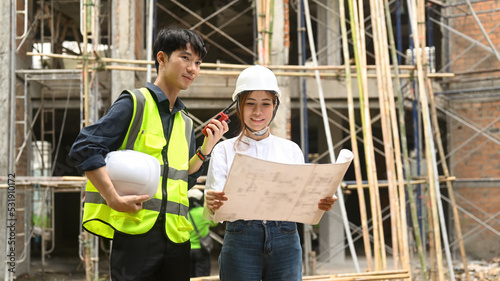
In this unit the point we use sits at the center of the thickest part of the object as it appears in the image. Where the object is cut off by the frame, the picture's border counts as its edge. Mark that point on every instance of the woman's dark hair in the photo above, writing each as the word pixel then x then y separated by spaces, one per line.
pixel 171 39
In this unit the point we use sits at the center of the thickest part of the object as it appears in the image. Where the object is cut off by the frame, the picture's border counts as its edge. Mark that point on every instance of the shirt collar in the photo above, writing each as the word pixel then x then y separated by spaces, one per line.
pixel 161 97
pixel 251 141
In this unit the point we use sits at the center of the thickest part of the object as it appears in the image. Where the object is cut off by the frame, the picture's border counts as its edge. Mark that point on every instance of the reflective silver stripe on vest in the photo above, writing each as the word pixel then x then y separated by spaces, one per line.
pixel 137 122
pixel 175 174
pixel 188 127
pixel 177 209
pixel 153 204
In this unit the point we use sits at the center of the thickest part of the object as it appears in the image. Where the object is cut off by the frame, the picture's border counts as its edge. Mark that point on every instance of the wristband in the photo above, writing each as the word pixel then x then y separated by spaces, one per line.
pixel 202 156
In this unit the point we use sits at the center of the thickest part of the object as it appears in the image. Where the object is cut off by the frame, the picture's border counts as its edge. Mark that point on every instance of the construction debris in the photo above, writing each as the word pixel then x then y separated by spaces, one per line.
pixel 480 270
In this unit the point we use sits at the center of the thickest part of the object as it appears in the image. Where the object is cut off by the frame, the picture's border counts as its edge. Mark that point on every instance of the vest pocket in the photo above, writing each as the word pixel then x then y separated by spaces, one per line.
pixel 183 224
pixel 134 217
pixel 153 144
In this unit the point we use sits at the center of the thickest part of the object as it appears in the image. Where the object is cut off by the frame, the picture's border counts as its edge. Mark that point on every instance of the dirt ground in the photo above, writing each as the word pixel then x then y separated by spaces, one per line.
pixel 72 269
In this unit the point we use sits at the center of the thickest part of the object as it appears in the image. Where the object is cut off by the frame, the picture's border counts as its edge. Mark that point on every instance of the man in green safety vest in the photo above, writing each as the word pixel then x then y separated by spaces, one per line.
pixel 150 233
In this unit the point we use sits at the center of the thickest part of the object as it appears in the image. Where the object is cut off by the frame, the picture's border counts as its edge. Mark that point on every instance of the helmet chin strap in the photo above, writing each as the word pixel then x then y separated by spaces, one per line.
pixel 259 132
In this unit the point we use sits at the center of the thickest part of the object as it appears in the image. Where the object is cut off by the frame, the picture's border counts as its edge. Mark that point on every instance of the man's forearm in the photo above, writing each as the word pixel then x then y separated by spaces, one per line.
pixel 100 179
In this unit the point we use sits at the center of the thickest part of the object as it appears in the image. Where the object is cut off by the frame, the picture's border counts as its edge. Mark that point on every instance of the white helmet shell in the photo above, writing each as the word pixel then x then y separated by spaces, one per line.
pixel 133 172
pixel 255 78
pixel 195 193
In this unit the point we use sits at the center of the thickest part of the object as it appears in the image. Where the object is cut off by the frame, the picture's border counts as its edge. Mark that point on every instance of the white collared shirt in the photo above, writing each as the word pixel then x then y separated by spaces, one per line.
pixel 272 148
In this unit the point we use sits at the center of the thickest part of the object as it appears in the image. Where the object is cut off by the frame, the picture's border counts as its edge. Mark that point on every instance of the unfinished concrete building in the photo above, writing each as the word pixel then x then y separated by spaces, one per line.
pixel 411 87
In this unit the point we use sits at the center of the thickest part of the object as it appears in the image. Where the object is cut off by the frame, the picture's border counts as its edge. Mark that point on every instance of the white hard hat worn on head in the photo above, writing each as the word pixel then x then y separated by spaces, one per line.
pixel 133 172
pixel 255 78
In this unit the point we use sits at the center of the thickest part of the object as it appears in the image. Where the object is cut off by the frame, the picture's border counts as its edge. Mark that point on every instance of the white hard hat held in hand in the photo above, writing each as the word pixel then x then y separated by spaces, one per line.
pixel 195 193
pixel 133 172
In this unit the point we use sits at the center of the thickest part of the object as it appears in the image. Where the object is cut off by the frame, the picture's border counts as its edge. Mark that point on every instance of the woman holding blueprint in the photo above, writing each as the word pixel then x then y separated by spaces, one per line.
pixel 256 250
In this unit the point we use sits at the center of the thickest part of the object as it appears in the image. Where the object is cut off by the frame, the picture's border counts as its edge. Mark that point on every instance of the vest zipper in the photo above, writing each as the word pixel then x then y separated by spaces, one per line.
pixel 164 181
pixel 164 153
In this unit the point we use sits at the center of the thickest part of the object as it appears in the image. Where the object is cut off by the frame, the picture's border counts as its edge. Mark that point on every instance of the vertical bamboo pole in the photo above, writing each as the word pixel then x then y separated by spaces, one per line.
pixel 447 174
pixel 267 30
pixel 404 148
pixel 436 188
pixel 85 63
pixel 360 57
pixel 379 249
pixel 264 15
pixel 326 124
pixel 400 199
pixel 354 142
pixel 377 18
pixel 432 242
pixel 439 206
pixel 358 44
pixel 260 39
pixel 85 81
pixel 428 139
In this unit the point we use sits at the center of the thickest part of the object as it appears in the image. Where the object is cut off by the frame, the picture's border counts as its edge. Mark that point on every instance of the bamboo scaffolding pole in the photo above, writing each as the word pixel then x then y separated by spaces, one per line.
pixel 377 275
pixel 260 38
pixel 400 191
pixel 85 75
pixel 431 173
pixel 86 239
pixel 298 70
pixel 381 59
pixel 407 169
pixel 407 183
pixel 431 221
pixel 446 172
pixel 418 29
pixel 340 277
pixel 362 88
pixel 426 112
pixel 379 249
pixel 354 142
pixel 401 143
pixel 262 34
pixel 432 242
pixel 439 203
pixel 267 31
pixel 326 124
pixel 289 74
pixel 356 13
pixel 386 96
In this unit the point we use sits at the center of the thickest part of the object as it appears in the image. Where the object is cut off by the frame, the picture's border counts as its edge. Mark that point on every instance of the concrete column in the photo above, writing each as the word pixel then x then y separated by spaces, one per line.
pixel 5 78
pixel 331 228
pixel 123 43
pixel 331 236
pixel 279 56
pixel 14 262
pixel 329 36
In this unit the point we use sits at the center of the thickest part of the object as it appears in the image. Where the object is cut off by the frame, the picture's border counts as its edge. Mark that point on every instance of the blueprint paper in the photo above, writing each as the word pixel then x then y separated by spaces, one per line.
pixel 263 190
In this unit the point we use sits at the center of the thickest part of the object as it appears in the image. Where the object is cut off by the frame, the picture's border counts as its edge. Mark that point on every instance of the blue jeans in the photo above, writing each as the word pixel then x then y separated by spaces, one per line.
pixel 261 250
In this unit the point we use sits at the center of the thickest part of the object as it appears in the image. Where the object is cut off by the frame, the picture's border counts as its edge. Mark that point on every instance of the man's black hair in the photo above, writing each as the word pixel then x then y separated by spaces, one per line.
pixel 171 39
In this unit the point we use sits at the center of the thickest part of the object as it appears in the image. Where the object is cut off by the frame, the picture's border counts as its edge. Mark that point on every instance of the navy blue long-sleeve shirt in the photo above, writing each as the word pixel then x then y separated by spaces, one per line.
pixel 95 141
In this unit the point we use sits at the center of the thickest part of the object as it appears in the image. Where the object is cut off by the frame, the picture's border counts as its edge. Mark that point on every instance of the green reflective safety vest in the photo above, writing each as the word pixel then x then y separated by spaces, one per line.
pixel 145 134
